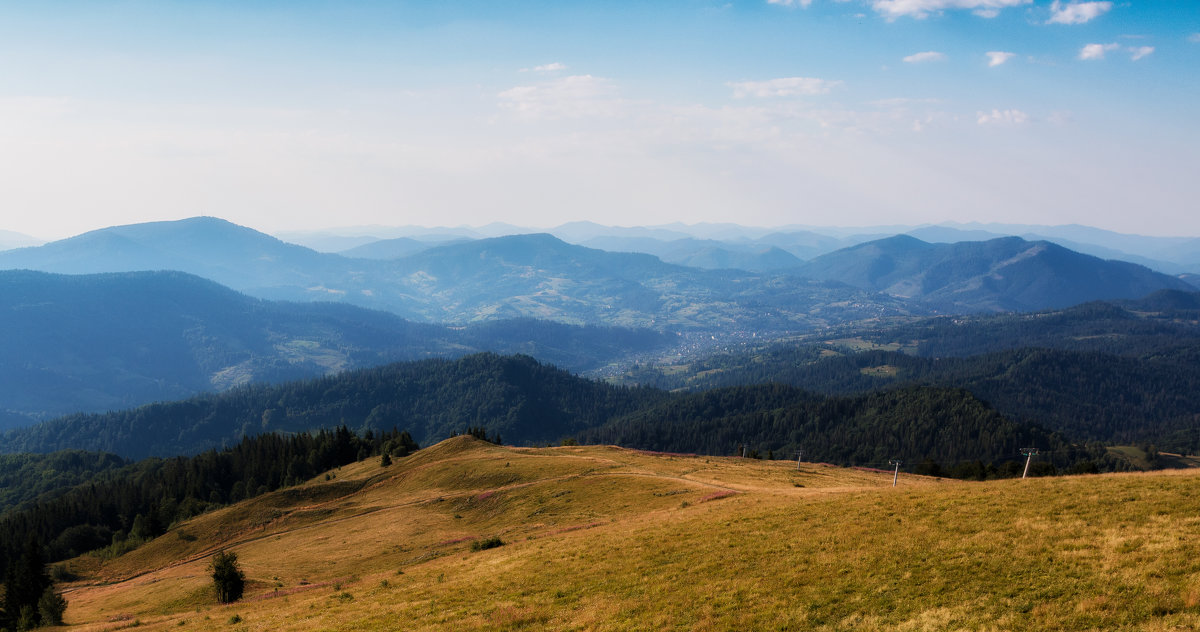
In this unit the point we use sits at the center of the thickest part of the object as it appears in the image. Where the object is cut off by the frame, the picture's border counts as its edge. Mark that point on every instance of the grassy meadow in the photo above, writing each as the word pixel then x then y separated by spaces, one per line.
pixel 603 538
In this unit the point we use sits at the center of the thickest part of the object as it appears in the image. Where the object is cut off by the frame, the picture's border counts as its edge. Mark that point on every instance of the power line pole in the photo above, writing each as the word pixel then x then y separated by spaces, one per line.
pixel 1029 454
pixel 799 458
pixel 896 476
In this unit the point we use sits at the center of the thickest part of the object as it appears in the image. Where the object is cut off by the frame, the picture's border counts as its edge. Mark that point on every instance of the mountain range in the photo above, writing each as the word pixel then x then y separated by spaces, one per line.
pixel 541 276
pixel 534 276
pixel 675 242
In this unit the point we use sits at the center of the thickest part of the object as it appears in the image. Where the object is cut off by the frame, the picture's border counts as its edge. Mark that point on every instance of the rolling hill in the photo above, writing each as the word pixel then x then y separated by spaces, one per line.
pixel 604 538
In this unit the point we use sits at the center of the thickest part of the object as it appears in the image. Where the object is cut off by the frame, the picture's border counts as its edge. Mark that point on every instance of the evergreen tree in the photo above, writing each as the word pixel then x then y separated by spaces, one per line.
pixel 24 584
pixel 228 579
pixel 51 607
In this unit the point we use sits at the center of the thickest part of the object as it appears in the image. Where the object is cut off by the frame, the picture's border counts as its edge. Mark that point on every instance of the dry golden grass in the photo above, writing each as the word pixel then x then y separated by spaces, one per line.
pixel 603 538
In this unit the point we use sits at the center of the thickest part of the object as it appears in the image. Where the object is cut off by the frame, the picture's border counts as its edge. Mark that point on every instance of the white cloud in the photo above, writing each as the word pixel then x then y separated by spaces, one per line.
pixel 1194 38
pixel 570 97
pixel 1076 12
pixel 791 3
pixel 782 87
pixel 997 58
pixel 1141 51
pixel 554 67
pixel 927 56
pixel 893 9
pixel 1002 117
pixel 1097 51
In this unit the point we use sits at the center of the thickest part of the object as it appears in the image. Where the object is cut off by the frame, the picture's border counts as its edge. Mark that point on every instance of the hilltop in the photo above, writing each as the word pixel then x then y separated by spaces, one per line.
pixel 604 538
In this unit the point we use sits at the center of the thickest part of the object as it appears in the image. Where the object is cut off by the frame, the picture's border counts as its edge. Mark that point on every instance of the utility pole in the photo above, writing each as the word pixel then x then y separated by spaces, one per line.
pixel 896 475
pixel 1029 454
pixel 799 458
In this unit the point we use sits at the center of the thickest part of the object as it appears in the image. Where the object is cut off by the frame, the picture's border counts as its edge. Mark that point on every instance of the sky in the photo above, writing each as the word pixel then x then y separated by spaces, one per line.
pixel 304 115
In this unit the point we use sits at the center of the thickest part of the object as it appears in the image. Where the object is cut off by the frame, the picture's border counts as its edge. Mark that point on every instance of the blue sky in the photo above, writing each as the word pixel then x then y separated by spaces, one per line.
pixel 303 115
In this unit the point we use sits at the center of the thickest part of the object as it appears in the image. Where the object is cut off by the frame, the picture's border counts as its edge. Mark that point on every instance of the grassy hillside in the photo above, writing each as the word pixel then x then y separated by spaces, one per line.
pixel 602 538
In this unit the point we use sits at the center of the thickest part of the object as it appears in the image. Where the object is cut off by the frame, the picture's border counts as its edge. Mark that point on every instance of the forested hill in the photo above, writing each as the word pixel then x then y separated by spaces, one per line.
pixel 1155 324
pixel 1086 395
pixel 524 402
pixel 916 424
pixel 25 477
pixel 515 396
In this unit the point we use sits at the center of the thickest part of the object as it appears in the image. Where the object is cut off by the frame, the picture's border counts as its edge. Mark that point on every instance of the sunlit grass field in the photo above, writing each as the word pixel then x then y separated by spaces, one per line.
pixel 602 538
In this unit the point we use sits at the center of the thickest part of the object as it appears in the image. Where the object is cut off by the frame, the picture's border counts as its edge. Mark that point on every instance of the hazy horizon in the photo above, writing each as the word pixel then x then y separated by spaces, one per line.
pixel 310 115
pixel 501 228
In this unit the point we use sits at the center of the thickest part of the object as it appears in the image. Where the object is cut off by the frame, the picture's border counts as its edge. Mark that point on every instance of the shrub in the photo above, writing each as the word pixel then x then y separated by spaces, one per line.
pixel 489 543
pixel 228 579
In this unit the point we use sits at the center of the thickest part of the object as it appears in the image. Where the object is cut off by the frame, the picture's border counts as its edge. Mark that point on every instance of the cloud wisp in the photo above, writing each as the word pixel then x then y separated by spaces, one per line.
pixel 1093 52
pixel 998 58
pixel 893 9
pixel 576 96
pixel 1077 12
pixel 1097 51
pixel 1002 117
pixel 782 87
pixel 925 57
pixel 546 68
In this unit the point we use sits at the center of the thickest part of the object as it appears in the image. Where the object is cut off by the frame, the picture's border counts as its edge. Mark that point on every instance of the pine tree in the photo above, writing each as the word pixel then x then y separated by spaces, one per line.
pixel 228 579
pixel 51 607
pixel 24 584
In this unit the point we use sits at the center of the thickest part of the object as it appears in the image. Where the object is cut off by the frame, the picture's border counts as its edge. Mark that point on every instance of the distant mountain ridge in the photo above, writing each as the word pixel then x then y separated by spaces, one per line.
pixel 10 239
pixel 540 276
pixel 518 276
pixel 96 342
pixel 1003 274
pixel 707 254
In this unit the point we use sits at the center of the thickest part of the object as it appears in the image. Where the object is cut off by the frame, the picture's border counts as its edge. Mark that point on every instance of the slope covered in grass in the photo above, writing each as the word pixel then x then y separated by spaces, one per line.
pixel 603 538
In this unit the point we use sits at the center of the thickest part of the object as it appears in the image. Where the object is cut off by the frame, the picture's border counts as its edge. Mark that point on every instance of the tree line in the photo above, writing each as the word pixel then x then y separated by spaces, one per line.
pixel 124 507
pixel 1087 395
pixel 942 427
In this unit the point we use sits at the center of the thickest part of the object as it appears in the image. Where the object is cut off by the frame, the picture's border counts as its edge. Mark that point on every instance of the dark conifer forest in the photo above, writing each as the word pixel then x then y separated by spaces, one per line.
pixel 120 508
